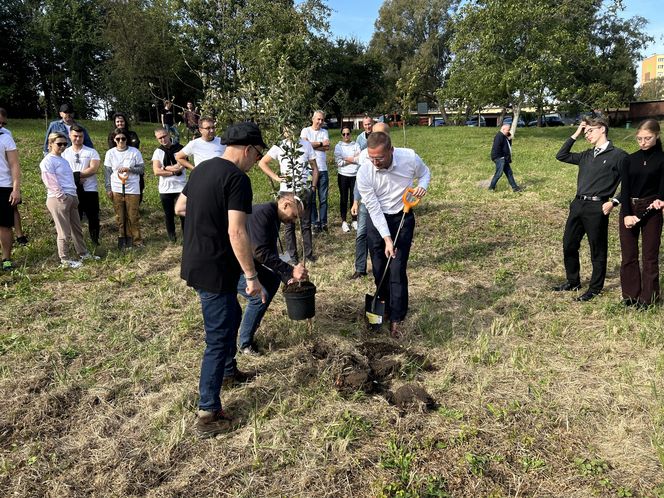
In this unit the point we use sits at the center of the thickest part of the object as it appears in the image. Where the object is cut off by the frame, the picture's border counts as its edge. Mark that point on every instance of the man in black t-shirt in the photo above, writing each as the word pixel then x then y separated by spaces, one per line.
pixel 216 250
pixel 168 120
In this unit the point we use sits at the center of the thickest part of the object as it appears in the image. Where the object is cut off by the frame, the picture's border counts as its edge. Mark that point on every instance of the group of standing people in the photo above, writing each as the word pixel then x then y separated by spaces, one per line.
pixel 641 176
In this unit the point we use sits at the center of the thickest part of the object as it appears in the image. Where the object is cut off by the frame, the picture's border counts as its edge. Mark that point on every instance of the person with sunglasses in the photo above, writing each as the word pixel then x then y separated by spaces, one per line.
pixel 84 162
pixel 216 250
pixel 124 162
pixel 62 202
pixel 346 155
pixel 202 148
pixel 172 179
pixel 10 193
pixel 597 180
pixel 642 184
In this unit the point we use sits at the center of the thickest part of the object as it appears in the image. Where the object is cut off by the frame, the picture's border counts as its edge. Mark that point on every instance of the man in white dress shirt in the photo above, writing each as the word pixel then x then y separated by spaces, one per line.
pixel 383 177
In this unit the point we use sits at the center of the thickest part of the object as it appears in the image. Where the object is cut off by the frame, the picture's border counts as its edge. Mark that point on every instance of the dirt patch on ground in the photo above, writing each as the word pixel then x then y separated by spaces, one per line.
pixel 371 367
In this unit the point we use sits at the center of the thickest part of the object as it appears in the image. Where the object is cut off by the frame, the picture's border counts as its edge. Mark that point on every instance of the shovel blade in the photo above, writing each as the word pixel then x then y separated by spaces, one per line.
pixel 374 309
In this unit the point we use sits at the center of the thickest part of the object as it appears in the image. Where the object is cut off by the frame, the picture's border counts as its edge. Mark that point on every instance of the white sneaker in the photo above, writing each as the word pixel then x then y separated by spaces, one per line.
pixel 344 227
pixel 70 263
pixel 87 255
pixel 354 225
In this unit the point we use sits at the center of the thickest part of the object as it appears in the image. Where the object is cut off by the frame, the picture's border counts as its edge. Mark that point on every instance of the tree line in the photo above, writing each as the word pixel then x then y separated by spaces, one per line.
pixel 276 59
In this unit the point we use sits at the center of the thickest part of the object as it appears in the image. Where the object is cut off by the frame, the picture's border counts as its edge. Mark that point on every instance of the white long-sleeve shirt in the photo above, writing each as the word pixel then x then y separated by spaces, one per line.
pixel 382 190
pixel 342 150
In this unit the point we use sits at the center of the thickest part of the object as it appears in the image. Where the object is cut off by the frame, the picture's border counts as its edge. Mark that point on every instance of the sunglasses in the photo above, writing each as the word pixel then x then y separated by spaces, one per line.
pixel 258 152
pixel 120 139
pixel 61 144
pixel 345 134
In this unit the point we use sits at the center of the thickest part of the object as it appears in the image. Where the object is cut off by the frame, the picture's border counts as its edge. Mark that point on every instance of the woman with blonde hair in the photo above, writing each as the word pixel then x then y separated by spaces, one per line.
pixel 642 181
pixel 62 201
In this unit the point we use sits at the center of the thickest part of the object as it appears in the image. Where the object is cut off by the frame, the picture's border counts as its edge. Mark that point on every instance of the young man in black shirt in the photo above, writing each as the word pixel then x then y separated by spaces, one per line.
pixel 598 178
pixel 216 250
pixel 264 224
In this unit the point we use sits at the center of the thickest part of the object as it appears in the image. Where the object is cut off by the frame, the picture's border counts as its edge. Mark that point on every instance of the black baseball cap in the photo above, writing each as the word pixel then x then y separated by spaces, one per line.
pixel 246 133
pixel 68 108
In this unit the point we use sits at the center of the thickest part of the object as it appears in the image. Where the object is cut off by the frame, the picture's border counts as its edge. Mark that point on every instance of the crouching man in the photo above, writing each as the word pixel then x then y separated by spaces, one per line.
pixel 264 223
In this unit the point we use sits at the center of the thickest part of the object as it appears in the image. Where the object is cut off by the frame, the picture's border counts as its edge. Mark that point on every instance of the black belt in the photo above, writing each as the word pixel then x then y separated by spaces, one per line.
pixel 592 198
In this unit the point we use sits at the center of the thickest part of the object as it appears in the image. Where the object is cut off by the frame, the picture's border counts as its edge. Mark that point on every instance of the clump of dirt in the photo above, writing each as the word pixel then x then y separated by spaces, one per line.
pixel 354 374
pixel 298 287
pixel 320 350
pixel 412 397
pixel 385 368
pixel 377 349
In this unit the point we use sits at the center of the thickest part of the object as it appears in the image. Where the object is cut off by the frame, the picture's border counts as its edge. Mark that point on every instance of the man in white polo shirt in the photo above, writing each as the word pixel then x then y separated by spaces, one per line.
pixel 205 147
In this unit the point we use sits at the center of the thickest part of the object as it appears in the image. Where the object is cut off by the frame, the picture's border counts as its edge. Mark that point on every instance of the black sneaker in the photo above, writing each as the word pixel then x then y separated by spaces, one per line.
pixel 172 237
pixel 324 229
pixel 210 423
pixel 22 240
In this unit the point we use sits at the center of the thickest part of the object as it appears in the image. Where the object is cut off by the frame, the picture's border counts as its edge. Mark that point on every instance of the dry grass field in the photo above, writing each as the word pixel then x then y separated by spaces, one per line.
pixel 501 387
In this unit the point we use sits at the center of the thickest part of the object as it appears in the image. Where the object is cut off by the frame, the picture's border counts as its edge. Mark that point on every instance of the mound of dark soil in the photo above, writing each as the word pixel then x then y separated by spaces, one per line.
pixel 411 397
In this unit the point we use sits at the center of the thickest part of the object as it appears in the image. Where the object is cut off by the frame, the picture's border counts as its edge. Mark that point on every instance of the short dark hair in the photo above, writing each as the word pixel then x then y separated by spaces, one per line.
pixel 379 139
pixel 598 121
pixel 3 112
pixel 77 128
pixel 205 119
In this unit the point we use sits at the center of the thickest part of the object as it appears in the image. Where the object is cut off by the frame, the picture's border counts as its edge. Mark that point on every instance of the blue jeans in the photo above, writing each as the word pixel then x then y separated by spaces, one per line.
pixel 172 129
pixel 322 191
pixel 255 310
pixel 503 167
pixel 361 240
pixel 221 318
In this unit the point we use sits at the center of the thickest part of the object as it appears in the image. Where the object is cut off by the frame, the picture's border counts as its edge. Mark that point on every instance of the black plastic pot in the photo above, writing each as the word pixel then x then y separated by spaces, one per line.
pixel 301 304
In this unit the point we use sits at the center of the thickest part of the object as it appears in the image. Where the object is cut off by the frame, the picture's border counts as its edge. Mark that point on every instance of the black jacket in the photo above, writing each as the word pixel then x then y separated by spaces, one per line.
pixel 501 148
pixel 598 176
pixel 263 224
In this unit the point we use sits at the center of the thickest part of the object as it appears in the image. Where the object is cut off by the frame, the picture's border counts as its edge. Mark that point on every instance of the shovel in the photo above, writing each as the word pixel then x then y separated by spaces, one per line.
pixel 375 308
pixel 124 242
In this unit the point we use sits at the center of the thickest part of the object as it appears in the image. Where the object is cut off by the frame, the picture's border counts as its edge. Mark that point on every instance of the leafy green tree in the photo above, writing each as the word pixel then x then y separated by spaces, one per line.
pixel 651 90
pixel 18 92
pixel 413 37
pixel 66 50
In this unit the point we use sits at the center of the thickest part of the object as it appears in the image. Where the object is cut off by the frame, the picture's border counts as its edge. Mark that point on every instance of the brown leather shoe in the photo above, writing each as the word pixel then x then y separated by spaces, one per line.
pixel 210 423
pixel 396 330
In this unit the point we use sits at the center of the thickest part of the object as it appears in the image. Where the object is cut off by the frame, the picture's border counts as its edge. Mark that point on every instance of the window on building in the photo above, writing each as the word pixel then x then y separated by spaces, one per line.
pixel 660 59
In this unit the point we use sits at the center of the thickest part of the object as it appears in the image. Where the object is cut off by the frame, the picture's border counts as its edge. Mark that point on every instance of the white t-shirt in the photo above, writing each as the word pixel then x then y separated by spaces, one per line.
pixel 343 149
pixel 307 154
pixel 58 167
pixel 169 184
pixel 78 161
pixel 6 144
pixel 127 158
pixel 202 150
pixel 317 136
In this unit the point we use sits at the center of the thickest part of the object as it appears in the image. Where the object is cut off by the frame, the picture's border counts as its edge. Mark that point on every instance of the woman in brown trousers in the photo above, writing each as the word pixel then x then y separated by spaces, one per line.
pixel 642 186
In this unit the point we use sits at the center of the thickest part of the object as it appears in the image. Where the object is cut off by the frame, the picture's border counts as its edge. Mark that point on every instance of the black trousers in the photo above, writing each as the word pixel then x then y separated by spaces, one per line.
pixel 168 204
pixel 586 218
pixel 88 203
pixel 346 187
pixel 394 290
pixel 641 282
